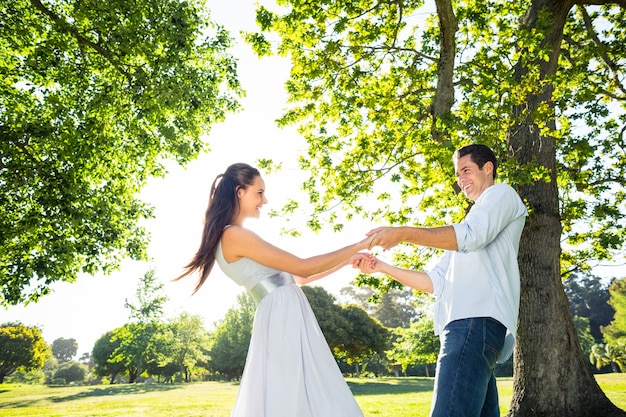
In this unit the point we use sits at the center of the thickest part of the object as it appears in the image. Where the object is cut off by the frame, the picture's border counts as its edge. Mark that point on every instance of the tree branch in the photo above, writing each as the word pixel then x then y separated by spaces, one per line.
pixel 613 67
pixel 621 3
pixel 105 53
pixel 444 97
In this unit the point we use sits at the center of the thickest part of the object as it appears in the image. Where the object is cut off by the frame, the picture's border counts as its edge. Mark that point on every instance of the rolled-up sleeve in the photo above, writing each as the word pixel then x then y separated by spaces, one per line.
pixel 438 273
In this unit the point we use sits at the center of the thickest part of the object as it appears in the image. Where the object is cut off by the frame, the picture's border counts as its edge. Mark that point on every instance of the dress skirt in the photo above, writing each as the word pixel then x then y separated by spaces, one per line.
pixel 290 370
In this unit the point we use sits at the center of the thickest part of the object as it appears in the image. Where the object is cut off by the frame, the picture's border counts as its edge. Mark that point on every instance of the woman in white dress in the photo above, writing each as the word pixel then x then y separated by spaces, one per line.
pixel 290 370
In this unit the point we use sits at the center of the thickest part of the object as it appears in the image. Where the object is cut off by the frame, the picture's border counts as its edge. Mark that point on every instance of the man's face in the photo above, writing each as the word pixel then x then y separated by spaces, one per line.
pixel 471 179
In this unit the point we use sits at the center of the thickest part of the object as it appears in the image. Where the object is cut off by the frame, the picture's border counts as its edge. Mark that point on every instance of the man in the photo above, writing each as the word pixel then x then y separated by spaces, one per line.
pixel 475 283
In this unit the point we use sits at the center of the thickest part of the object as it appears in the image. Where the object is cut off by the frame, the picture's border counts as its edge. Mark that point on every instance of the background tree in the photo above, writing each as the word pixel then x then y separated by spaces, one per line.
pixel 350 332
pixel 188 342
pixel 141 347
pixel 383 94
pixel 613 354
pixel 416 345
pixel 616 330
pixel 365 338
pixel 94 98
pixel 33 377
pixel 102 355
pixel 150 300
pixel 87 360
pixel 71 371
pixel 143 339
pixel 22 347
pixel 394 308
pixel 620 357
pixel 231 338
pixel 64 349
pixel 588 298
pixel 586 340
pixel 49 369
pixel 328 315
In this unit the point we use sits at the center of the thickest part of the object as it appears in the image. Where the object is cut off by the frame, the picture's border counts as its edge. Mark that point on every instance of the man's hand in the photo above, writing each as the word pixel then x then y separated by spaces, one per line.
pixel 385 237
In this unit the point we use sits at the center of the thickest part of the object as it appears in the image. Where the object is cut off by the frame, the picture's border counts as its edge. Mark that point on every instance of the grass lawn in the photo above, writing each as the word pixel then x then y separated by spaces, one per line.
pixel 388 397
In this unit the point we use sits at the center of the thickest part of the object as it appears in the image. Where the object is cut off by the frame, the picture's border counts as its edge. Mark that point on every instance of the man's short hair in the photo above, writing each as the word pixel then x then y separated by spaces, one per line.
pixel 479 154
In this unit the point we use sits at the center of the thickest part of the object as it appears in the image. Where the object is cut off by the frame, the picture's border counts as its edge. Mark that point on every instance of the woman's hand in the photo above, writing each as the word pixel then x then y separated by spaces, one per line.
pixel 367 243
pixel 365 262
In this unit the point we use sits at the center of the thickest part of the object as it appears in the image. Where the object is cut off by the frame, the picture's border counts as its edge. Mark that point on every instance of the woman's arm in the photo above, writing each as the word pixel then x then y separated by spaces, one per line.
pixel 361 256
pixel 239 242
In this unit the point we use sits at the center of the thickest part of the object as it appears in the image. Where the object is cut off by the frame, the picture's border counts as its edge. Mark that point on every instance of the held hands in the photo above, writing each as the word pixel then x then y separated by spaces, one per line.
pixel 366 262
pixel 368 242
pixel 385 237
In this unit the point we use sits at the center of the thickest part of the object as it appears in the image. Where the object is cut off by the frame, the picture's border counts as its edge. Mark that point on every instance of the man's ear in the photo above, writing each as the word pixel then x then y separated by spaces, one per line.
pixel 488 166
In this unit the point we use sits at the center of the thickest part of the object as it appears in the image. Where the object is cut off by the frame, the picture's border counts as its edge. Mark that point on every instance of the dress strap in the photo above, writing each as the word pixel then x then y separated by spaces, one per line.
pixel 269 284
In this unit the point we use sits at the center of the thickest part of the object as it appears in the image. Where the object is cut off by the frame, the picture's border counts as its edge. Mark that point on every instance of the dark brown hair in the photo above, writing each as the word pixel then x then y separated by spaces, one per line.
pixel 479 154
pixel 222 210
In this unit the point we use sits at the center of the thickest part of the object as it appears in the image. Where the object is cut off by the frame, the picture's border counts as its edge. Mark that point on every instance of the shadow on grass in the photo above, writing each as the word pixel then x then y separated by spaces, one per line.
pixel 110 390
pixel 391 386
pixel 125 389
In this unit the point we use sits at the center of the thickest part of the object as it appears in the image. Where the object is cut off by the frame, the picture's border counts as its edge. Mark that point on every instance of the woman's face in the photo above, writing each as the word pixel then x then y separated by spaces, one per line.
pixel 252 199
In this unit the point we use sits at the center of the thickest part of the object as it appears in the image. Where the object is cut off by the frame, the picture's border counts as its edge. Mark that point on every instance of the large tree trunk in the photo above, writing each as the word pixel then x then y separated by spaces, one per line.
pixel 551 377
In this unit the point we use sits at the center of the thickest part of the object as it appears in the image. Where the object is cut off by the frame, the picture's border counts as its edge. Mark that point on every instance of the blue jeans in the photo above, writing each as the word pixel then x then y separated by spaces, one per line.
pixel 465 384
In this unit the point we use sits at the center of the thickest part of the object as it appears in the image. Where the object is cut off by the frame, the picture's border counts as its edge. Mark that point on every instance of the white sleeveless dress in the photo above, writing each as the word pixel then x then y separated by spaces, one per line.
pixel 290 370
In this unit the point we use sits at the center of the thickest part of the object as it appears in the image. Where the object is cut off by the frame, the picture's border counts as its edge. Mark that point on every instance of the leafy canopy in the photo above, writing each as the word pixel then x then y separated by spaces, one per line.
pixel 383 98
pixel 384 91
pixel 94 98
pixel 22 347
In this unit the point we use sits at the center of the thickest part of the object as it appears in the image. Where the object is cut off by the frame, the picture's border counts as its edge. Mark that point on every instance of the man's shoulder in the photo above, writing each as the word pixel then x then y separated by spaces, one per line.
pixel 504 192
pixel 502 185
pixel 498 190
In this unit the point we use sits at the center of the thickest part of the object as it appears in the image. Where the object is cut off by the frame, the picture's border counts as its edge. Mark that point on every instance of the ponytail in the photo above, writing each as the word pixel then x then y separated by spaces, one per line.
pixel 222 209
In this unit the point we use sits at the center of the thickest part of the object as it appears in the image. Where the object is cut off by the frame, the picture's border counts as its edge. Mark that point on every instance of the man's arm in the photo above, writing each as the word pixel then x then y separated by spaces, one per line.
pixel 443 237
pixel 418 280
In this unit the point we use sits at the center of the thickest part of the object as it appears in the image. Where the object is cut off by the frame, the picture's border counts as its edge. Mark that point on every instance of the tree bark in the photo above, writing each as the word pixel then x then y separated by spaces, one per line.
pixel 563 385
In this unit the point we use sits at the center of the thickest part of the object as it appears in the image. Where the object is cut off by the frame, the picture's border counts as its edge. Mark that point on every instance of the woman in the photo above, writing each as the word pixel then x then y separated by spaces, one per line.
pixel 289 371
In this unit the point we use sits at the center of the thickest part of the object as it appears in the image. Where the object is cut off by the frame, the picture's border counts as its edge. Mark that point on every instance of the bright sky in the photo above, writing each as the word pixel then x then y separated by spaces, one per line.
pixel 88 308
